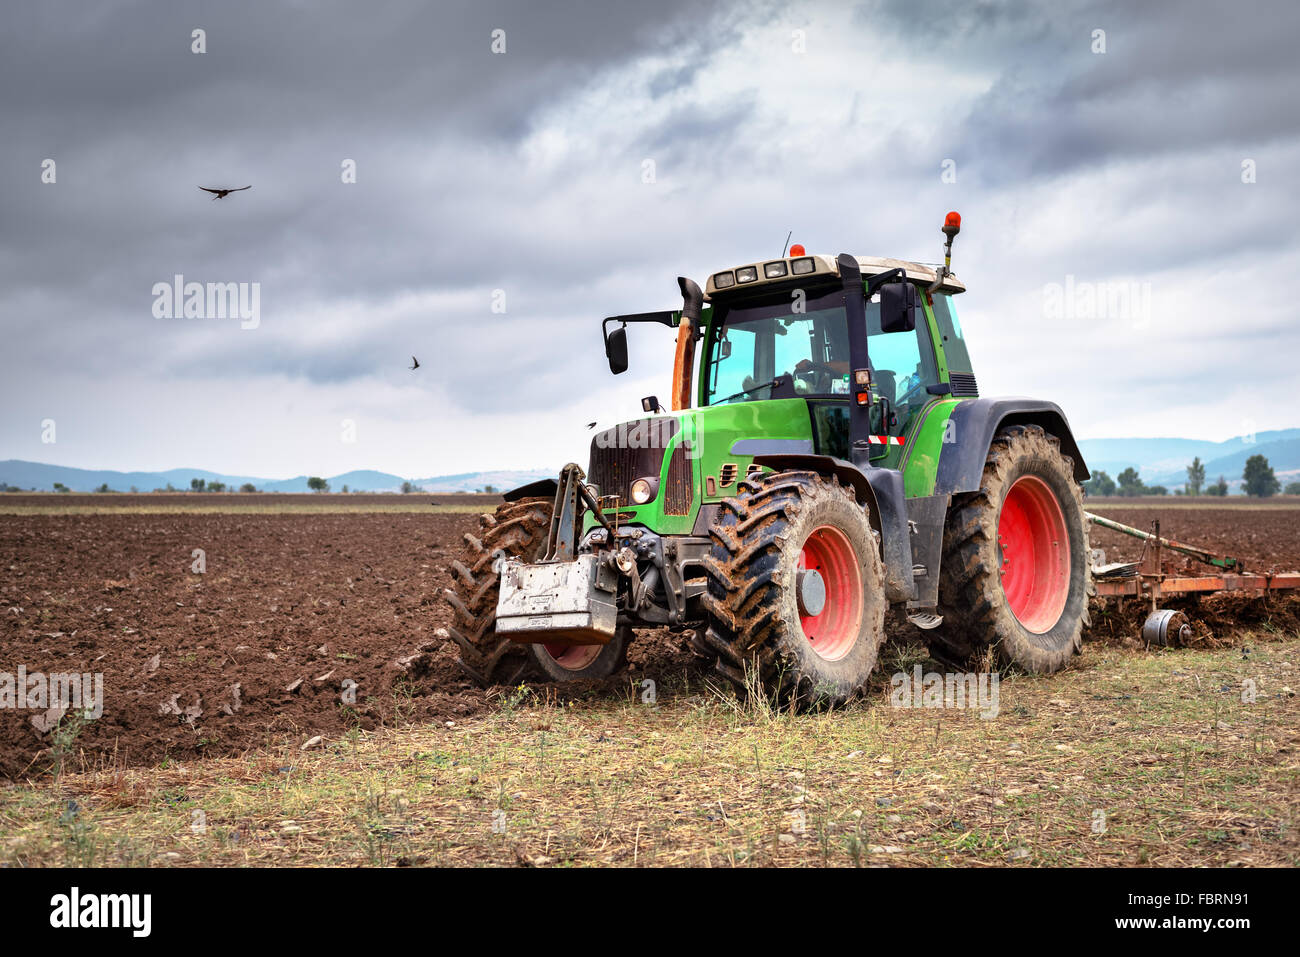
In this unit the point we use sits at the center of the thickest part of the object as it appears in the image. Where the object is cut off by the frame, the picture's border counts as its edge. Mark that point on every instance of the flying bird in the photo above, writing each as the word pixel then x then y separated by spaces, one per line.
pixel 223 193
pixel 415 363
pixel 591 425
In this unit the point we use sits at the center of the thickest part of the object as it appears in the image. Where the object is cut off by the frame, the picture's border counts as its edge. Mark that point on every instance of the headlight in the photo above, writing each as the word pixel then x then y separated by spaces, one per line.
pixel 643 490
pixel 723 279
pixel 747 274
pixel 774 270
pixel 802 267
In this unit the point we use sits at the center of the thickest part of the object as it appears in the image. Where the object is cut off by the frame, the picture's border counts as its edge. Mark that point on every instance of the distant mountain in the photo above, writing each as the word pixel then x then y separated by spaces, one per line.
pixel 1160 461
pixel 1164 461
pixel 1283 456
pixel 1146 455
pixel 42 477
pixel 360 481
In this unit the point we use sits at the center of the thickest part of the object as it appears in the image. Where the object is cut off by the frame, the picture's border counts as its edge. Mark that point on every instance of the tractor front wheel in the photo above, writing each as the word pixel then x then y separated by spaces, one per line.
pixel 515 530
pixel 576 662
pixel 795 590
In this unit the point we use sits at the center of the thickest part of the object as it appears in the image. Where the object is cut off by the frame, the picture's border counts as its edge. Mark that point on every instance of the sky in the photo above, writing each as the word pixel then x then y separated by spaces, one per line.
pixel 477 184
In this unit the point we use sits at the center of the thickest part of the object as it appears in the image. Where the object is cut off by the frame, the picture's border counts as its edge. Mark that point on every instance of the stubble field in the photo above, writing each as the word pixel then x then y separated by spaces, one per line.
pixel 319 617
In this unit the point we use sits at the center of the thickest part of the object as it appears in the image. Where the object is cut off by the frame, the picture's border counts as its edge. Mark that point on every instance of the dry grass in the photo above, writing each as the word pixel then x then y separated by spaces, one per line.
pixel 1181 771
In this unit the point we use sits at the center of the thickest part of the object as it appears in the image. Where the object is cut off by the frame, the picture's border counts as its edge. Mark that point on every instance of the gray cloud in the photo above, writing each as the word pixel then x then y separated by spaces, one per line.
pixel 523 173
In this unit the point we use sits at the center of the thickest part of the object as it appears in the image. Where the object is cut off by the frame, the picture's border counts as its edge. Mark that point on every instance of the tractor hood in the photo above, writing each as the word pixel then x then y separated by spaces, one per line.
pixel 692 457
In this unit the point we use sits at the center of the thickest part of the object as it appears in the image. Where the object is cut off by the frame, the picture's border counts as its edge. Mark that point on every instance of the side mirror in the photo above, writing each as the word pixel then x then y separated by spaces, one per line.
pixel 897 307
pixel 882 419
pixel 616 350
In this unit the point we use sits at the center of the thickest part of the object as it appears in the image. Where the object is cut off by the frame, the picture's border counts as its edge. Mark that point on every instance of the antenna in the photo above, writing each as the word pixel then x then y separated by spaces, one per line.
pixel 787 242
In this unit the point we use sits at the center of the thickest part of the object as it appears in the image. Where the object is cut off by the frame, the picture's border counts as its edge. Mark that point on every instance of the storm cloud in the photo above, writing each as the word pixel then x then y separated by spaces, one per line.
pixel 505 200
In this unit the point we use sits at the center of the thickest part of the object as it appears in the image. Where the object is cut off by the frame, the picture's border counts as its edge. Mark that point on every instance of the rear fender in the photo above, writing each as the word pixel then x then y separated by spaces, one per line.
pixel 543 488
pixel 973 424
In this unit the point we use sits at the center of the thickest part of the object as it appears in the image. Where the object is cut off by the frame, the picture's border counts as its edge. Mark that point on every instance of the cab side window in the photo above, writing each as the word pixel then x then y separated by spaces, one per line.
pixel 902 366
pixel 831 428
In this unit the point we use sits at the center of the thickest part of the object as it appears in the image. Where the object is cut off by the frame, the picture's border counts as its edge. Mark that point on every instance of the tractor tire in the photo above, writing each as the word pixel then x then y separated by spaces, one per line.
pixel 515 530
pixel 579 662
pixel 795 595
pixel 1015 572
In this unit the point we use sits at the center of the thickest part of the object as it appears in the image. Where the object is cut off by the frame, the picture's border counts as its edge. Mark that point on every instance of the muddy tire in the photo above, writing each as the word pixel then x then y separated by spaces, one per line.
pixel 1016 573
pixel 795 594
pixel 579 662
pixel 515 530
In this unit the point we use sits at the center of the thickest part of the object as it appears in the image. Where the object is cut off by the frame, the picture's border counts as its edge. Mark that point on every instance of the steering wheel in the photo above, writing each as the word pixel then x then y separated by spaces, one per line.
pixel 807 369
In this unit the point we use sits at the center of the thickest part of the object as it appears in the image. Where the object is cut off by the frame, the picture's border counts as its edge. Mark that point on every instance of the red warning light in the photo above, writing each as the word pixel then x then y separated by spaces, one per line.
pixel 798 250
pixel 952 224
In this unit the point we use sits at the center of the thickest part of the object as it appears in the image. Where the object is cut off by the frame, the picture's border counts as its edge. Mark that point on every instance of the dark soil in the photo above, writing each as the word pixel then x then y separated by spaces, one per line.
pixel 295 609
pixel 1266 539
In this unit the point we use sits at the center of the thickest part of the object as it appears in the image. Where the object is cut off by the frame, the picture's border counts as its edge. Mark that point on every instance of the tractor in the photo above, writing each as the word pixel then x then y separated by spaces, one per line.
pixel 831 458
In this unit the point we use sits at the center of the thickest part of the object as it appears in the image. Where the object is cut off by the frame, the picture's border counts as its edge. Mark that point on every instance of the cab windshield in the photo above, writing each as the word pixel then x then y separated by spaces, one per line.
pixel 803 343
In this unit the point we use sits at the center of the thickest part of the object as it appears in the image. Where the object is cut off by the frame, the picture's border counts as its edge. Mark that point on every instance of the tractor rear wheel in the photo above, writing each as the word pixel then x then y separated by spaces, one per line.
pixel 1015 573
pixel 795 590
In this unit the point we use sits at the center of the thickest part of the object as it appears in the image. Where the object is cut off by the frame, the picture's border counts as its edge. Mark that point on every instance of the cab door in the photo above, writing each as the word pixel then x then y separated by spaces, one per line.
pixel 902 369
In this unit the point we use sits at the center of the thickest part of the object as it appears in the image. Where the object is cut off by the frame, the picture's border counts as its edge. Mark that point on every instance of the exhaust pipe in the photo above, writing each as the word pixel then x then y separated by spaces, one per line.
pixel 687 333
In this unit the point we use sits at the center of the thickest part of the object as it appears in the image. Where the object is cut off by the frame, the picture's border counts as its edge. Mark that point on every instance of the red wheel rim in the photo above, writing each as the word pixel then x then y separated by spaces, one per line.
pixel 1034 554
pixel 573 657
pixel 833 632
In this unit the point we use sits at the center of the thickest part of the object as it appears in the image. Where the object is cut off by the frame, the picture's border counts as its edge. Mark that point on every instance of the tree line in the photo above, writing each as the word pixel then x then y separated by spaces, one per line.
pixel 1257 481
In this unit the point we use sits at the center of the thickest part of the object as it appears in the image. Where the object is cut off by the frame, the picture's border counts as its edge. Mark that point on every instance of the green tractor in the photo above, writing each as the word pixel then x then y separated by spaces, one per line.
pixel 837 459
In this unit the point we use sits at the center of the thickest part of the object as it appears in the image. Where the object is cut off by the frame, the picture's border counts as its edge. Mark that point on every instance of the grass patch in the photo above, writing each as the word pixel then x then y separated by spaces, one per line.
pixel 1126 759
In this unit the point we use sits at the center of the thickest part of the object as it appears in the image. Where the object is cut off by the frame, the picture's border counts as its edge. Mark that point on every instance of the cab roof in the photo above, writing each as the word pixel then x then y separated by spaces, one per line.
pixel 770 271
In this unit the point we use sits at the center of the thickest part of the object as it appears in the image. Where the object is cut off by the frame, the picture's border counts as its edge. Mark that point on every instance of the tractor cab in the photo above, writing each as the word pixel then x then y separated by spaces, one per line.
pixel 865 344
pixel 780 329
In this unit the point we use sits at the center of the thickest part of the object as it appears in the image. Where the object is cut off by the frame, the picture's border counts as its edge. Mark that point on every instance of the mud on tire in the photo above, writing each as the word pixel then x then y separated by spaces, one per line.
pixel 976 606
pixel 758 629
pixel 515 530
pixel 578 662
